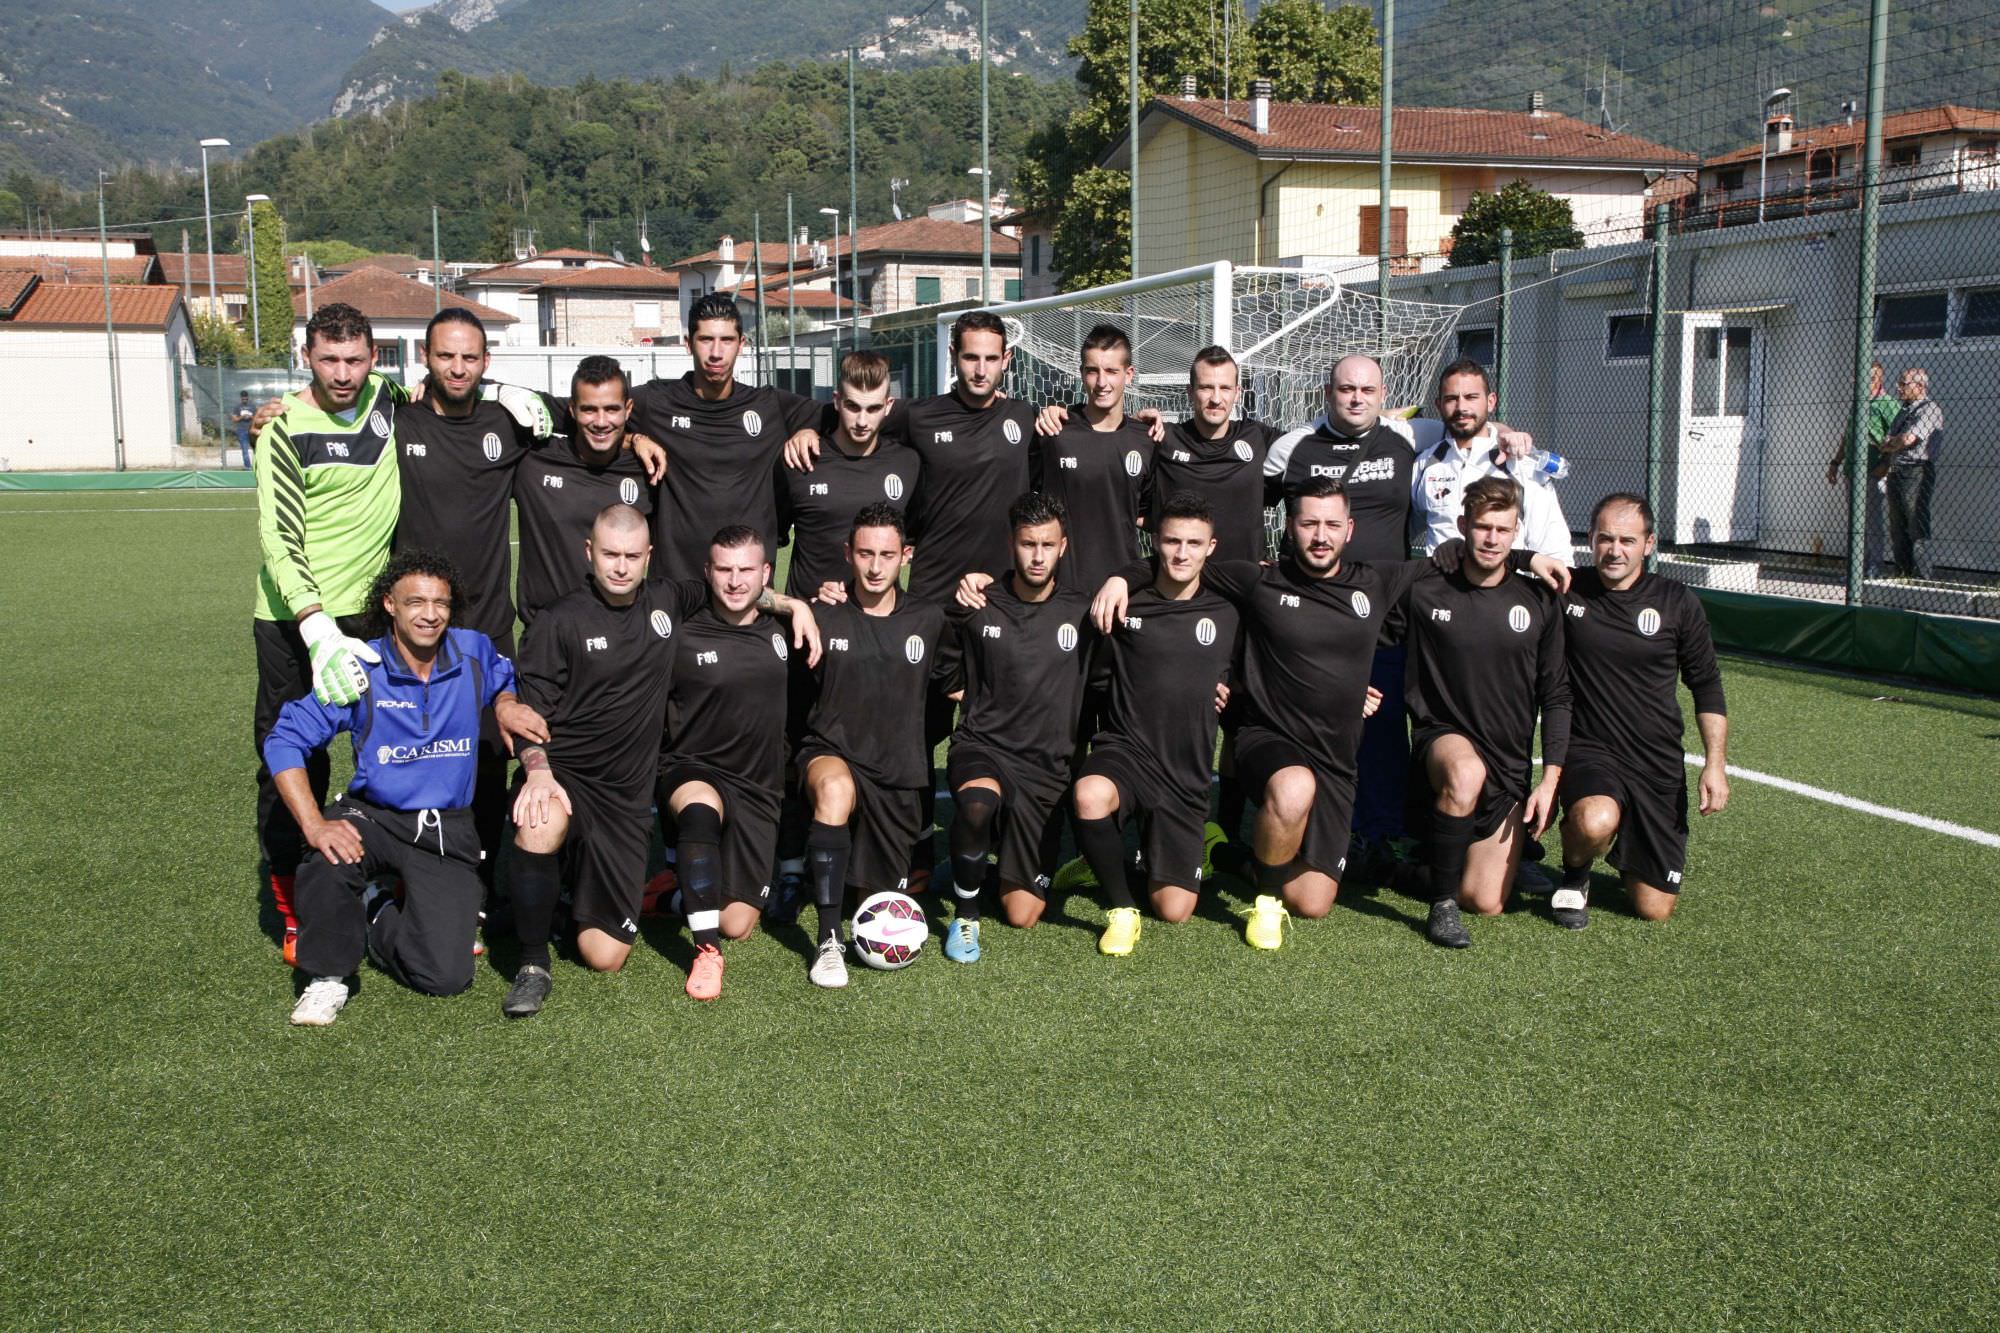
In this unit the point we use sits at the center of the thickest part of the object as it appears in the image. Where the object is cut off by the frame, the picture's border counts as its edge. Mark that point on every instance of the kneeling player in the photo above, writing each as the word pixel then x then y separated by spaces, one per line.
pixel 1024 656
pixel 1486 655
pixel 1166 658
pixel 1629 633
pixel 723 768
pixel 863 762
pixel 408 810
pixel 597 663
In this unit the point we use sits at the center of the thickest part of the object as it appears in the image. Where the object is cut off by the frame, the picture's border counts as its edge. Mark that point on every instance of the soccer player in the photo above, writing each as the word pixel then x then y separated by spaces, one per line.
pixel 1218 458
pixel 1486 656
pixel 1470 450
pixel 1099 465
pixel 597 664
pixel 407 810
pixel 563 486
pixel 722 438
pixel 723 766
pixel 1628 635
pixel 1165 657
pixel 862 762
pixel 1023 658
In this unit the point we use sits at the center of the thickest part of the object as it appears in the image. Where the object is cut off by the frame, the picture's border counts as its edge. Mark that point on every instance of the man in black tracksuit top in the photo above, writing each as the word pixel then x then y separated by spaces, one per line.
pixel 1629 634
pixel 1219 459
pixel 862 761
pixel 1154 756
pixel 1100 465
pixel 1486 656
pixel 563 486
pixel 597 664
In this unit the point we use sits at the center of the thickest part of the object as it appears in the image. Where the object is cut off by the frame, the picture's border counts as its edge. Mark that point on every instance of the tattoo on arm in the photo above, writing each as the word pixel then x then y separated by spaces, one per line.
pixel 534 759
pixel 773 603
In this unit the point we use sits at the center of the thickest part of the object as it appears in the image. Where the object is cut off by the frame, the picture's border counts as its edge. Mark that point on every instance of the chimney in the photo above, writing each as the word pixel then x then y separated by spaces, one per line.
pixel 1187 87
pixel 1260 105
pixel 727 250
pixel 1778 133
pixel 1537 105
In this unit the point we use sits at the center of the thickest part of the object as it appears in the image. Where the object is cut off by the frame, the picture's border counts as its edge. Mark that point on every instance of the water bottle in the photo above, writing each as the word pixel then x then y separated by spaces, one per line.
pixel 1547 467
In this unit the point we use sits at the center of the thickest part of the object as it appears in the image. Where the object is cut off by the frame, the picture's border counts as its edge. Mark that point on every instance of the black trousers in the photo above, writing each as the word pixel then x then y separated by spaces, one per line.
pixel 425 941
pixel 284 673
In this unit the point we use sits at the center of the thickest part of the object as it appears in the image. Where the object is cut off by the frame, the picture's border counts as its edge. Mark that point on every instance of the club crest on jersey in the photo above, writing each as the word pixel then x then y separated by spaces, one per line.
pixel 753 425
pixel 663 624
pixel 1066 638
pixel 913 648
pixel 778 645
pixel 892 486
pixel 1359 601
pixel 628 491
pixel 1012 430
pixel 1133 463
pixel 1649 622
pixel 1241 449
pixel 490 446
pixel 1204 631
pixel 378 423
pixel 1517 619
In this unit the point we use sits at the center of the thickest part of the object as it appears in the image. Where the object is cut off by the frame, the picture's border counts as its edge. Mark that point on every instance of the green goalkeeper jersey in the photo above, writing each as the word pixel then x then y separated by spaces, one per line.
pixel 327 497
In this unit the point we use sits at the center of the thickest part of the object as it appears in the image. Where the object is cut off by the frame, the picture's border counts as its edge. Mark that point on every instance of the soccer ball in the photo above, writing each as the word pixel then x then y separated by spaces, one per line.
pixel 889 930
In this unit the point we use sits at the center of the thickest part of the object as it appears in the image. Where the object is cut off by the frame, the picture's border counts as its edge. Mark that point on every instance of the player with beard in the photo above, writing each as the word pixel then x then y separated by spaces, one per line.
pixel 863 761
pixel 1486 657
pixel 563 486
pixel 1629 634
pixel 1099 464
pixel 723 765
pixel 1470 450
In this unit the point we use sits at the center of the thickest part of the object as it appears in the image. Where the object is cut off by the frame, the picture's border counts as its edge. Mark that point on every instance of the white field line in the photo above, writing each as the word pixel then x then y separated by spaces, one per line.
pixel 1980 836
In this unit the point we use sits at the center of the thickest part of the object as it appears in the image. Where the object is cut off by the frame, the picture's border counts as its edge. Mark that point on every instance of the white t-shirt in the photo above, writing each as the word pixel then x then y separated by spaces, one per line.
pixel 1437 497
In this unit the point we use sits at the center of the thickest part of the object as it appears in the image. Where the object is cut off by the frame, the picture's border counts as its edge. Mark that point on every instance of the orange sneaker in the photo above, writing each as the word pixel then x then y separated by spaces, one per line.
pixel 658 896
pixel 705 977
pixel 291 948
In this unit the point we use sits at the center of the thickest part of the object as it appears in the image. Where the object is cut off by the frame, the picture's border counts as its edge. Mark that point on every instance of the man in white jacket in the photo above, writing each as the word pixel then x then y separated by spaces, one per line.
pixel 1471 449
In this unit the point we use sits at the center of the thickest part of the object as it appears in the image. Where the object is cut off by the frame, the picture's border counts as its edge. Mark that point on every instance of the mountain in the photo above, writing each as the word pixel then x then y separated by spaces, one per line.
pixel 90 82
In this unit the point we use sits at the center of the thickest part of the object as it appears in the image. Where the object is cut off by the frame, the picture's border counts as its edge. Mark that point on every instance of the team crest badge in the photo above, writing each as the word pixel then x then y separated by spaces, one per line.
pixel 753 425
pixel 1066 636
pixel 1133 463
pixel 1359 601
pixel 490 446
pixel 1204 631
pixel 1012 430
pixel 778 646
pixel 382 754
pixel 378 423
pixel 628 491
pixel 913 648
pixel 1517 620
pixel 663 624
pixel 1242 450
pixel 892 486
pixel 1649 622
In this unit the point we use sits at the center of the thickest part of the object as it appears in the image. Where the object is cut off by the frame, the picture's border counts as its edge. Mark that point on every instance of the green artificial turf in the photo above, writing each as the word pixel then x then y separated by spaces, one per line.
pixel 1778 1110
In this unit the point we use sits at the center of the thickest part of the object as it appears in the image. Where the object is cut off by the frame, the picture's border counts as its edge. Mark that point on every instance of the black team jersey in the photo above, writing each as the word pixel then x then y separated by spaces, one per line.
pixel 719 460
pixel 557 496
pixel 1164 660
pixel 726 709
pixel 817 508
pixel 1483 662
pixel 871 677
pixel 458 475
pixel 1624 651
pixel 1105 480
pixel 1023 665
pixel 600 674
pixel 1376 470
pixel 975 465
pixel 1228 473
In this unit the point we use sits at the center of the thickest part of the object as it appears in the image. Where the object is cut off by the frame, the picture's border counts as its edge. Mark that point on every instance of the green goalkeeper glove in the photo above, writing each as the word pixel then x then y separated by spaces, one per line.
pixel 526 406
pixel 338 678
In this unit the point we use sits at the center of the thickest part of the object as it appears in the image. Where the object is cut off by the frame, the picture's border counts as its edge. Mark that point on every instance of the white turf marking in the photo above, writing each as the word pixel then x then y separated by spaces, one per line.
pixel 1980 836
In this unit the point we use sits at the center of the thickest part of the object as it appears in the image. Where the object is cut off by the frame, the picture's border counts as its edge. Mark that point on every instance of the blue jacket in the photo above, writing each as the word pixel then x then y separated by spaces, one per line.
pixel 416 742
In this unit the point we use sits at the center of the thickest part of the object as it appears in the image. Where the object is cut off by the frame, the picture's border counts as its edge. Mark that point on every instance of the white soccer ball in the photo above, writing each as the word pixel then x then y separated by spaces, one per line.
pixel 889 930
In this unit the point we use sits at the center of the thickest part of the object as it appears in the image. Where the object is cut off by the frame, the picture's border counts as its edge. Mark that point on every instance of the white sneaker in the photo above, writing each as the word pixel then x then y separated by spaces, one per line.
pixel 829 970
pixel 320 1003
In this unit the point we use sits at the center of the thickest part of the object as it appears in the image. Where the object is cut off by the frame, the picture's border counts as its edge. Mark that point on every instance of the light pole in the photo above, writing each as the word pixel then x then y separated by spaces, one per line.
pixel 208 222
pixel 834 213
pixel 985 230
pixel 1775 96
pixel 250 262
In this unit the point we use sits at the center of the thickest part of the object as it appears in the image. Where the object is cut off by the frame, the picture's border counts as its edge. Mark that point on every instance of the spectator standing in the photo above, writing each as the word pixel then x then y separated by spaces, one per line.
pixel 1916 439
pixel 1881 413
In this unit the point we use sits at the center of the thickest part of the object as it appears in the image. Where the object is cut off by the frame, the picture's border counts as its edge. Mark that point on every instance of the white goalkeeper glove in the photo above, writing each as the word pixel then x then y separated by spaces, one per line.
pixel 526 406
pixel 338 678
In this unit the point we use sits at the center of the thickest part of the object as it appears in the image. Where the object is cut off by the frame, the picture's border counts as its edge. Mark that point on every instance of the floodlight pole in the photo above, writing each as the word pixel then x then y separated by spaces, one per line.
pixel 1864 304
pixel 1500 334
pixel 1656 366
pixel 853 208
pixel 437 265
pixel 1132 134
pixel 208 222
pixel 835 213
pixel 791 303
pixel 757 259
pixel 111 339
pixel 986 170
pixel 1385 213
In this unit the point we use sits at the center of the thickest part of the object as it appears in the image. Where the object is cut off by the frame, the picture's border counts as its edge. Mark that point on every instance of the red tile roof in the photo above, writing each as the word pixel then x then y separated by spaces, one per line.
pixel 1899 125
pixel 229 270
pixel 380 294
pixel 623 277
pixel 391 263
pixel 746 257
pixel 930 236
pixel 56 305
pixel 570 253
pixel 72 268
pixel 1422 133
pixel 14 288
pixel 805 298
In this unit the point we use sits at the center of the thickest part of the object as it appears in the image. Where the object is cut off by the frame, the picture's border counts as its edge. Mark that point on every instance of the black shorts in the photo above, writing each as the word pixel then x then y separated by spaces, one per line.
pixel 1028 796
pixel 1260 753
pixel 1497 798
pixel 603 855
pixel 749 828
pixel 886 820
pixel 1652 819
pixel 1175 819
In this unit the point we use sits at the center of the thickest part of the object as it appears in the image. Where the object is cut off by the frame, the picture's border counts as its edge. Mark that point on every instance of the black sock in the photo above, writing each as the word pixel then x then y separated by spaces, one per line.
pixel 535 880
pixel 1444 849
pixel 971 839
pixel 827 846
pixel 1103 846
pixel 1577 877
pixel 698 862
pixel 1272 879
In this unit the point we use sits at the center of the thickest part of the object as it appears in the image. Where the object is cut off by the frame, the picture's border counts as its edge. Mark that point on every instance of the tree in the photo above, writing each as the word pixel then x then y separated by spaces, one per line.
pixel 1313 54
pixel 1092 244
pixel 274 288
pixel 1541 222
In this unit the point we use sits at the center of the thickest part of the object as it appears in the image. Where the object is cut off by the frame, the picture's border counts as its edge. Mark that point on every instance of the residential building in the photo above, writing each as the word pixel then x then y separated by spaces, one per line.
pixel 510 288
pixel 399 308
pixel 608 305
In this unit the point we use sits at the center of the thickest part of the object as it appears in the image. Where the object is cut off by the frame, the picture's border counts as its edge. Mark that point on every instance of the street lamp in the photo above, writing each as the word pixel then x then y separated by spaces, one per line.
pixel 985 232
pixel 208 224
pixel 1775 96
pixel 250 263
pixel 834 213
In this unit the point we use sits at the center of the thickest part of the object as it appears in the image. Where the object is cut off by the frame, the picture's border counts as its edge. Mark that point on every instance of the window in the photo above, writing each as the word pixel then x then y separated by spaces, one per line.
pixel 1911 317
pixel 1905 155
pixel 1822 164
pixel 972 289
pixel 929 291
pixel 389 356
pixel 1983 148
pixel 1628 337
pixel 1034 255
pixel 1012 289
pixel 1371 230
pixel 1477 345
pixel 1981 316
pixel 646 314
pixel 1729 181
pixel 1721 372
